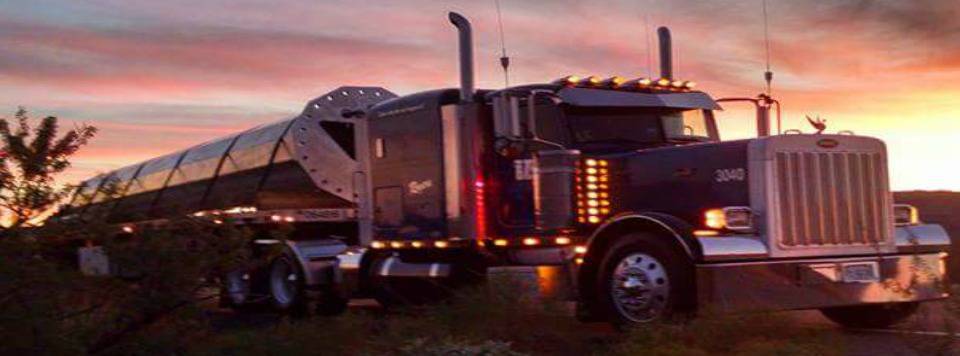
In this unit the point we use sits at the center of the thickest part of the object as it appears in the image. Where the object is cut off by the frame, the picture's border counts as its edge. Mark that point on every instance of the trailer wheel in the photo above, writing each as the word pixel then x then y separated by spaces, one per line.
pixel 287 292
pixel 643 280
pixel 235 290
pixel 873 316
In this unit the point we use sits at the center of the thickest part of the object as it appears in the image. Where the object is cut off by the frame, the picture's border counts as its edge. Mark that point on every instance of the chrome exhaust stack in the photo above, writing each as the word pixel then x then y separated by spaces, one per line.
pixel 466 56
pixel 666 53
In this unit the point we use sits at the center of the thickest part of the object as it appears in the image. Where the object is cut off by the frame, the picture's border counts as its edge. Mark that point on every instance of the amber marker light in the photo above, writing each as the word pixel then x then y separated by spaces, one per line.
pixel 501 242
pixel 416 244
pixel 592 81
pixel 128 229
pixel 614 81
pixel 377 245
pixel 562 240
pixel 441 244
pixel 705 233
pixel 531 241
pixel 569 80
pixel 580 250
pixel 396 244
pixel 664 82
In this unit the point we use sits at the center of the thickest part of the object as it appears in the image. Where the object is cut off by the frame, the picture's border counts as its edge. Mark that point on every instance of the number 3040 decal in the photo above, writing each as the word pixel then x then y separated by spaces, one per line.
pixel 730 175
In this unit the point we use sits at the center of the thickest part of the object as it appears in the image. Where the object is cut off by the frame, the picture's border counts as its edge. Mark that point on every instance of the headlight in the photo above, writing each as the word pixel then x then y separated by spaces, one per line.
pixel 904 214
pixel 736 218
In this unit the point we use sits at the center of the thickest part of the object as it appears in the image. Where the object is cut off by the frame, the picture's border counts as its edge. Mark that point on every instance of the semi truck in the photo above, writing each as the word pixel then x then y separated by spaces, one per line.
pixel 618 193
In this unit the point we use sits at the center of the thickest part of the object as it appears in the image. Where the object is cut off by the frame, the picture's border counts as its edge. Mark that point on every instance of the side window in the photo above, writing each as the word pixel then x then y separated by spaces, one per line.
pixel 549 125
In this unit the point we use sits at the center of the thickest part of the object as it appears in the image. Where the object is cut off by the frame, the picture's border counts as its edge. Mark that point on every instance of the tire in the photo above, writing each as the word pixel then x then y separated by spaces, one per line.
pixel 872 316
pixel 286 286
pixel 643 280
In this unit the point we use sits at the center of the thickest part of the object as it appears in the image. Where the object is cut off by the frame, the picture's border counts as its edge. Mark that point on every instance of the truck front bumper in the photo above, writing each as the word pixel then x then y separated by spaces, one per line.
pixel 818 283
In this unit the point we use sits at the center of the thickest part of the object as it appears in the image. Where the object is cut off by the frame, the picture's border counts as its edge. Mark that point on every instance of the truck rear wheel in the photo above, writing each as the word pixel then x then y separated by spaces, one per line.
pixel 872 316
pixel 643 280
pixel 286 283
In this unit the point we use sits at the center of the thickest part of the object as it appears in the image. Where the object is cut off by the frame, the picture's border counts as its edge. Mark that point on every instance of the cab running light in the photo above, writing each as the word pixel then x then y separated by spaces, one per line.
pixel 593 191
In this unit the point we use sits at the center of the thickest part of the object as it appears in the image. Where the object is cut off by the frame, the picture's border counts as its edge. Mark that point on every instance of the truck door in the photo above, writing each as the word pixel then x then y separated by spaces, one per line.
pixel 514 151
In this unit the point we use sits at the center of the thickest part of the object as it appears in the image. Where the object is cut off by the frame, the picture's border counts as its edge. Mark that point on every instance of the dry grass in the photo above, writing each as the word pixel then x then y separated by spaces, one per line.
pixel 502 319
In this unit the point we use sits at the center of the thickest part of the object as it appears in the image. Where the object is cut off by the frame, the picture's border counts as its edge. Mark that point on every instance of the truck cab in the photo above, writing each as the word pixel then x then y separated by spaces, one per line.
pixel 625 188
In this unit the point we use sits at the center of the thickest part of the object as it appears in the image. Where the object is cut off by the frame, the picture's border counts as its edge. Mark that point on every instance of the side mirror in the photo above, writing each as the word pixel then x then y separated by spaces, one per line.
pixel 506 112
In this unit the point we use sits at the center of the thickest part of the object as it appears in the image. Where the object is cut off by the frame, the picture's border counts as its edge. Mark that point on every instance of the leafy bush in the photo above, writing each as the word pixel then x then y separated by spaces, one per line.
pixel 47 306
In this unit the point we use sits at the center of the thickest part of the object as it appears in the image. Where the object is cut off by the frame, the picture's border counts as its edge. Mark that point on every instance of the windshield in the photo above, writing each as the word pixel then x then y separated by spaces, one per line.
pixel 685 125
pixel 624 126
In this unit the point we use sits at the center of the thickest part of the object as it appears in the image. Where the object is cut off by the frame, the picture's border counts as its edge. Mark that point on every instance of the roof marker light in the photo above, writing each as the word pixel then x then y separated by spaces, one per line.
pixel 677 84
pixel 614 81
pixel 592 80
pixel 663 82
pixel 689 84
pixel 639 83
pixel 568 80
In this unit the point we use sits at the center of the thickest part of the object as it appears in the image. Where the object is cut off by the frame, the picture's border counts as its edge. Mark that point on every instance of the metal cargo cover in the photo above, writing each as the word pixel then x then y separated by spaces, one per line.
pixel 290 164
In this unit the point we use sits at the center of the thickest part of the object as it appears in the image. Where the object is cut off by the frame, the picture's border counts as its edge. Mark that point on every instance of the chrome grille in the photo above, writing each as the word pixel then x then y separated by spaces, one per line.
pixel 831 198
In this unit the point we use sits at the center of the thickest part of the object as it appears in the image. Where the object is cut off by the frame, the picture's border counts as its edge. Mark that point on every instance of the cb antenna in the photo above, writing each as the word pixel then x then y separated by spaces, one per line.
pixel 646 30
pixel 504 59
pixel 768 74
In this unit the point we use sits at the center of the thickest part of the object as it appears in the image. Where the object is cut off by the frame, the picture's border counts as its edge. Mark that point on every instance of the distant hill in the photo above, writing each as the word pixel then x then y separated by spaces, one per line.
pixel 939 207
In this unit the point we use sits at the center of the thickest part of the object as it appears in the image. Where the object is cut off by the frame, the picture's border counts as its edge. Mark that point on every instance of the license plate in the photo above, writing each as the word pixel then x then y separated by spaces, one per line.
pixel 861 272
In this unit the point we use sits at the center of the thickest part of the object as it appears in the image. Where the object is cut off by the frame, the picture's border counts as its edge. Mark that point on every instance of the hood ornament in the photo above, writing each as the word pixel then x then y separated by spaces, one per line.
pixel 818 123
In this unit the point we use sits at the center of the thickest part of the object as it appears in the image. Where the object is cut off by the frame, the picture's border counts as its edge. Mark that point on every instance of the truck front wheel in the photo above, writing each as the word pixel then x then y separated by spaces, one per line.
pixel 642 280
pixel 872 316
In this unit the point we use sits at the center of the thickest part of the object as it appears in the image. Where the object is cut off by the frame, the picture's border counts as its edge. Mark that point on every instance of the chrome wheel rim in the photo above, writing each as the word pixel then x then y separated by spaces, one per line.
pixel 283 283
pixel 640 287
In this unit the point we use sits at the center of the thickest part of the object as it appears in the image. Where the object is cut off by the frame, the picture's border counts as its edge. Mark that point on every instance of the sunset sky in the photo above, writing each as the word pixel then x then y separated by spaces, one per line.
pixel 157 76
